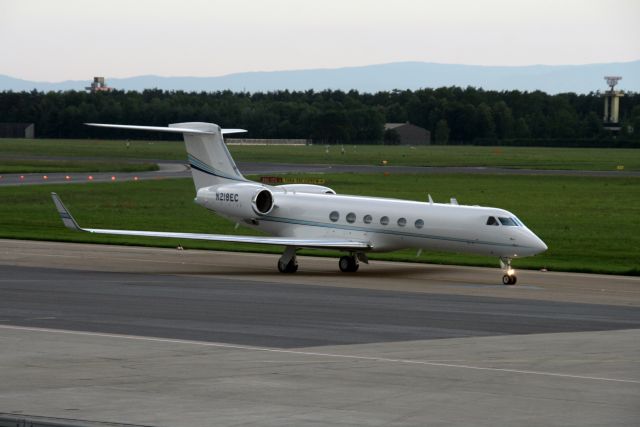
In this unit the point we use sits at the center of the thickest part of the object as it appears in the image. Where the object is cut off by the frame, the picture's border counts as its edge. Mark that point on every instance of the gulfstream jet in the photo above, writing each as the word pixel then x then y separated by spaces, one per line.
pixel 312 216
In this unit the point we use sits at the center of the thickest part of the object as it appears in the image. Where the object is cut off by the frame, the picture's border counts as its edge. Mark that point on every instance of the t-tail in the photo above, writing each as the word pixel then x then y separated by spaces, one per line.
pixel 210 160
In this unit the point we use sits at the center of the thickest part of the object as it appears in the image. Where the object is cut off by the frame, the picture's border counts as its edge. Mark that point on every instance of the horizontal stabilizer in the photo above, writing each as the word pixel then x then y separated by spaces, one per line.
pixel 164 129
pixel 227 131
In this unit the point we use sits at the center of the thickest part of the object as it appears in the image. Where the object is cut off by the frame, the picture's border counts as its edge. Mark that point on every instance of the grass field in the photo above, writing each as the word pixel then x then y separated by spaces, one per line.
pixel 589 224
pixel 509 157
pixel 50 166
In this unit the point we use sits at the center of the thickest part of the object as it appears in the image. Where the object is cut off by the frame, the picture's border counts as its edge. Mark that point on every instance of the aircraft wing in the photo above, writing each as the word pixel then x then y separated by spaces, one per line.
pixel 71 223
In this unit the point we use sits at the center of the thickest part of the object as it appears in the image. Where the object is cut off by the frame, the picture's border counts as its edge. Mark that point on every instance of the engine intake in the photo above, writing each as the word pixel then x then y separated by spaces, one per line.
pixel 262 202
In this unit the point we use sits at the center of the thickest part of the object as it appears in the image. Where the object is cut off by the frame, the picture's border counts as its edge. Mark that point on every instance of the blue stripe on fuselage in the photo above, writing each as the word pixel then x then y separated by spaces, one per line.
pixel 380 231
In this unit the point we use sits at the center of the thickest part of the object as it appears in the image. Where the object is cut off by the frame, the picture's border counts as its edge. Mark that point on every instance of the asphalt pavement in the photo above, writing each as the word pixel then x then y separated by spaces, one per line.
pixel 100 335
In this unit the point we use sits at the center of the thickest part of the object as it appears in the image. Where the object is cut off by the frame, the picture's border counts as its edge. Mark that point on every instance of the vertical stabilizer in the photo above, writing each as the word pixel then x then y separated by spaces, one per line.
pixel 210 160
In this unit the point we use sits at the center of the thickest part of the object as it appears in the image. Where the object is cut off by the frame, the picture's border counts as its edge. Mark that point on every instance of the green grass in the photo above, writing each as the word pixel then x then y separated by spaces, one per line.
pixel 50 166
pixel 509 157
pixel 104 149
pixel 589 224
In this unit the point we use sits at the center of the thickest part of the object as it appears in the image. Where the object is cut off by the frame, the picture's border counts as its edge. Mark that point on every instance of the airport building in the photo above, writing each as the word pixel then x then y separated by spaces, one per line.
pixel 409 134
pixel 18 130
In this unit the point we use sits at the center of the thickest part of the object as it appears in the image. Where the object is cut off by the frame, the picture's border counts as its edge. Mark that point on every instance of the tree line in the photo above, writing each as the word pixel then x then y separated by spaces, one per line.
pixel 453 115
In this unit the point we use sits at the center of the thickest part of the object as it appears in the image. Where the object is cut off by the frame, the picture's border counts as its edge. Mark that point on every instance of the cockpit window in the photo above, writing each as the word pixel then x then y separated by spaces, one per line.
pixel 492 221
pixel 507 221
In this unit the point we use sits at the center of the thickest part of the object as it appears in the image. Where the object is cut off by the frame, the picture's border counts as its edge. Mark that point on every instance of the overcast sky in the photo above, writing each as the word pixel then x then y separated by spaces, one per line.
pixel 76 39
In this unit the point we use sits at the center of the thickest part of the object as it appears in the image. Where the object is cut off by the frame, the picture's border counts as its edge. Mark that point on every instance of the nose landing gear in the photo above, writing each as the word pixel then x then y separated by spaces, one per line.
pixel 509 280
pixel 510 274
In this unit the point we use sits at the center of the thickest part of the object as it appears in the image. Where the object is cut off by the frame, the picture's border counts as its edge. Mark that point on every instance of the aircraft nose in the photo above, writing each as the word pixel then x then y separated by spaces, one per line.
pixel 539 244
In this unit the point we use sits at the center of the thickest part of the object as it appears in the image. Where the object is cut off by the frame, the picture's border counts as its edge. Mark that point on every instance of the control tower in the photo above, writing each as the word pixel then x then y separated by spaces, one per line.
pixel 612 104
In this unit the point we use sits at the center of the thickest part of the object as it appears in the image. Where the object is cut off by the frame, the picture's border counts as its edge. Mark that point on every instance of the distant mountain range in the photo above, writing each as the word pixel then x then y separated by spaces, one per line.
pixel 374 78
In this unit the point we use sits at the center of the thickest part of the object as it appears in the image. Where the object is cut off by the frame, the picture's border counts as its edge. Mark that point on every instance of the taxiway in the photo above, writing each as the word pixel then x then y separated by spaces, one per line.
pixel 169 169
pixel 151 336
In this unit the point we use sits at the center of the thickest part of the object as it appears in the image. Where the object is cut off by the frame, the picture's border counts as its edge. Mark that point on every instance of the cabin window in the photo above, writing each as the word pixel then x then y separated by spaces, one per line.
pixel 419 223
pixel 507 221
pixel 334 216
pixel 367 219
pixel 351 217
pixel 492 221
pixel 384 220
pixel 402 222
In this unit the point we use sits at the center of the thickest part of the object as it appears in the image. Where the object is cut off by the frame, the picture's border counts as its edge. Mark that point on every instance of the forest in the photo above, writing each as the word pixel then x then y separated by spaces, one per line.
pixel 453 115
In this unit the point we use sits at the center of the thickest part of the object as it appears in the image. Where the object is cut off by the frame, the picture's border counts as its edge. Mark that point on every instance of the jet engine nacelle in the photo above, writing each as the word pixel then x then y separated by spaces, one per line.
pixel 242 200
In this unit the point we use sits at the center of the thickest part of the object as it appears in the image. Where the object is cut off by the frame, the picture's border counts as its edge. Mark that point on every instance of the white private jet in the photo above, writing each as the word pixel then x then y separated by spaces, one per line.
pixel 313 216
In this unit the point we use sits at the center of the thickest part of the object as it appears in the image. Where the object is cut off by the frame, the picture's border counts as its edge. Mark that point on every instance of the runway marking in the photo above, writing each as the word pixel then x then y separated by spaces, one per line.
pixel 319 354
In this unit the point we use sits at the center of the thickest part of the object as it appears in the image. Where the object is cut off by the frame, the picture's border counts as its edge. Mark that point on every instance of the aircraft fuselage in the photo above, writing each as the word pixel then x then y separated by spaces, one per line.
pixel 388 224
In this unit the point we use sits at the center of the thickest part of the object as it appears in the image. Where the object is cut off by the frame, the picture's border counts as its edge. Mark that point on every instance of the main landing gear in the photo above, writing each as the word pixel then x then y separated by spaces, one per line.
pixel 510 274
pixel 289 267
pixel 349 264
pixel 288 262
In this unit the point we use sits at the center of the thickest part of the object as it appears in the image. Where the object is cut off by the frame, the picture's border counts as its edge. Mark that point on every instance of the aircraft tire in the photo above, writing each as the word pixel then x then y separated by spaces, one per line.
pixel 290 267
pixel 509 280
pixel 348 264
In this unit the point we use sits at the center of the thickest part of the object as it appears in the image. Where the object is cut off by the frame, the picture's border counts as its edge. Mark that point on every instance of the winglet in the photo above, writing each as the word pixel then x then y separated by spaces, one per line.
pixel 65 215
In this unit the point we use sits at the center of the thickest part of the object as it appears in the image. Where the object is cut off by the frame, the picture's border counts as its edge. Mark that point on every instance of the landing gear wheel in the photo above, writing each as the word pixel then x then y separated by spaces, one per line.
pixel 509 280
pixel 348 264
pixel 510 277
pixel 290 267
